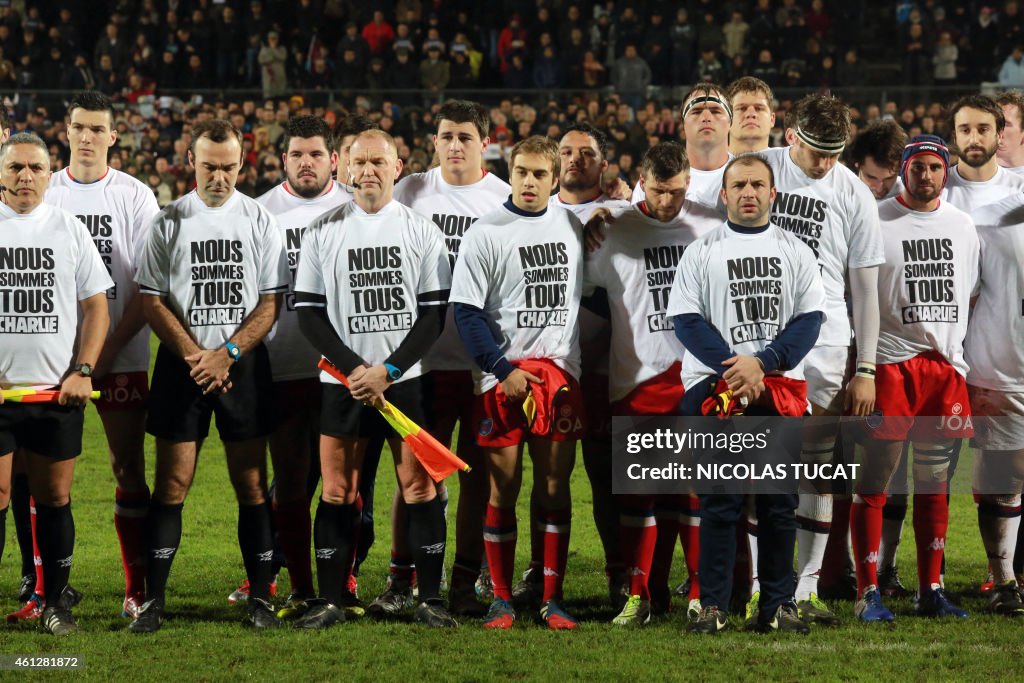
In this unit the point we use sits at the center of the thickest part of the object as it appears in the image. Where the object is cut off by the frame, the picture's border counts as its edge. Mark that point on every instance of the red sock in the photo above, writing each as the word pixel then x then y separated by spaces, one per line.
pixel 500 544
pixel 931 517
pixel 130 510
pixel 557 524
pixel 294 530
pixel 638 534
pixel 37 559
pixel 866 530
pixel 689 539
pixel 836 554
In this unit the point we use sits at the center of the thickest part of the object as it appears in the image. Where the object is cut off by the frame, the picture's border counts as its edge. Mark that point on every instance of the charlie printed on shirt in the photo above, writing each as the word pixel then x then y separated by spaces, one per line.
pixel 213 264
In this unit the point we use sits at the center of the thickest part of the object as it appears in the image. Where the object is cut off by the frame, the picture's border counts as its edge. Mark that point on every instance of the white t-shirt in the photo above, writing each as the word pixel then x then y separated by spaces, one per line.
pixel 636 265
pixel 526 273
pixel 291 355
pixel 592 326
pixel 837 218
pixel 926 282
pixel 995 331
pixel 212 264
pixel 117 210
pixel 705 189
pixel 453 208
pixel 748 286
pixel 969 195
pixel 47 265
pixel 1016 170
pixel 374 269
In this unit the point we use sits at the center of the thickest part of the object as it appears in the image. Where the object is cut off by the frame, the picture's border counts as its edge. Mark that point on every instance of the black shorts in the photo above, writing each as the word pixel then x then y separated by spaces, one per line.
pixel 178 410
pixel 344 417
pixel 296 398
pixel 44 428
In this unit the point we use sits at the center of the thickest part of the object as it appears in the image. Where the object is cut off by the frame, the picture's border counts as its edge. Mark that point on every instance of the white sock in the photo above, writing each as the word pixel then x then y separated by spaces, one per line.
pixel 755 583
pixel 998 521
pixel 814 521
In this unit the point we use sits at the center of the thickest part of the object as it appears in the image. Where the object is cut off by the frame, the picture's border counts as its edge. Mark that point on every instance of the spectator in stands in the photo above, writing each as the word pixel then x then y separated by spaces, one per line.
pixel 378 34
pixel 819 23
pixel 765 68
pixel 229 46
pixel 850 72
pixel 985 36
pixel 350 74
pixel 517 76
pixel 710 36
pixel 355 42
pixel 630 76
pixel 107 80
pixel 917 58
pixel 944 59
pixel 548 72
pixel 684 39
pixel 273 58
pixel 593 71
pixel 435 71
pixel 7 72
pixel 735 35
pixel 461 71
pixel 112 45
pixel 512 33
pixel 1011 75
pixel 709 68
pixel 657 51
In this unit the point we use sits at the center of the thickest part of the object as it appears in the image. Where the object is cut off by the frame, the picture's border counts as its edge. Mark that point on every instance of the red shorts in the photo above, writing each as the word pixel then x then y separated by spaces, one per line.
pixel 122 391
pixel 660 395
pixel 448 395
pixel 296 398
pixel 923 386
pixel 500 422
pixel 596 405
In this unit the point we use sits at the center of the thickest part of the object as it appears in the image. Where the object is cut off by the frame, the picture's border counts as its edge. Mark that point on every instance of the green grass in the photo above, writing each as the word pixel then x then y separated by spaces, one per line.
pixel 205 641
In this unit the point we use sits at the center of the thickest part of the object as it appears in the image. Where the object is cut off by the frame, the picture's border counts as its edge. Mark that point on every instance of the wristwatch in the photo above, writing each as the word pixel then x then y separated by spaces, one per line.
pixel 394 374
pixel 233 351
pixel 84 369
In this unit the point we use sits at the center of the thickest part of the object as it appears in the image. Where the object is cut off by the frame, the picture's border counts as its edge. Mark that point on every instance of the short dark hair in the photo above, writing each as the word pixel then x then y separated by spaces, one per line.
pixel 704 90
pixel 976 101
pixel 214 130
pixel 882 140
pixel 1016 98
pixel 353 124
pixel 749 159
pixel 665 160
pixel 91 100
pixel 825 117
pixel 749 84
pixel 599 137
pixel 307 127
pixel 465 111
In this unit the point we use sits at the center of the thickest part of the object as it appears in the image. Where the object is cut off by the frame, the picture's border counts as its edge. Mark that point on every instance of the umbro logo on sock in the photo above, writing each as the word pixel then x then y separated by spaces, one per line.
pixel 265 557
pixel 434 549
pixel 325 553
pixel 64 562
pixel 163 553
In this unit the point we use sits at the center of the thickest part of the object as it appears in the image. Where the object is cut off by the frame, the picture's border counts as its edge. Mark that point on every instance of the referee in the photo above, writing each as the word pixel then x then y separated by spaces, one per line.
pixel 212 277
pixel 48 268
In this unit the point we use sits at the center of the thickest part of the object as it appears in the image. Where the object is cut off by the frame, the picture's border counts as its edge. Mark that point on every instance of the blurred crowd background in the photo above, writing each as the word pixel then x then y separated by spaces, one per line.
pixel 539 64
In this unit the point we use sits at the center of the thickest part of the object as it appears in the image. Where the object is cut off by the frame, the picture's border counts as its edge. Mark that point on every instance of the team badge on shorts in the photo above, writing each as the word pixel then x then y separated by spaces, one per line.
pixel 486 426
pixel 874 420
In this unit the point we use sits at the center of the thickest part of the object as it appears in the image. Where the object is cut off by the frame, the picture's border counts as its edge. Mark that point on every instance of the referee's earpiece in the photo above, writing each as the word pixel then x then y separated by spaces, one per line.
pixel 352 180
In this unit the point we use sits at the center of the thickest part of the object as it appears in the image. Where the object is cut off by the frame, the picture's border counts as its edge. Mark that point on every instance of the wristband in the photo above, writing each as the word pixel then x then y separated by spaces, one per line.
pixel 394 373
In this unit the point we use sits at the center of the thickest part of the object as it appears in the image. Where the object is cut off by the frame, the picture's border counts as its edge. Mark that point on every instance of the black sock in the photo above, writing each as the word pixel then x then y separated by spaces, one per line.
pixel 256 541
pixel 55 533
pixel 1018 553
pixel 334 537
pixel 3 532
pixel 20 508
pixel 163 531
pixel 427 534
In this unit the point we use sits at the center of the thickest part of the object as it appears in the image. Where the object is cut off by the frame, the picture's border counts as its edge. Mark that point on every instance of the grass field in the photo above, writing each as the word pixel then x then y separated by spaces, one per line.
pixel 203 639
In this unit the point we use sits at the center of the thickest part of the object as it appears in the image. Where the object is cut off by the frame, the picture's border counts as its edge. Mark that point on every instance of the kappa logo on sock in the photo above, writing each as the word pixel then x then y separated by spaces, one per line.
pixel 64 562
pixel 548 571
pixel 163 553
pixel 871 558
pixel 265 557
pixel 434 549
pixel 325 553
pixel 636 571
pixel 937 544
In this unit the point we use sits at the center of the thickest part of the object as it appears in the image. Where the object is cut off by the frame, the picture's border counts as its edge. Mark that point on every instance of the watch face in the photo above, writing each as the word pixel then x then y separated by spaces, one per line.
pixel 85 369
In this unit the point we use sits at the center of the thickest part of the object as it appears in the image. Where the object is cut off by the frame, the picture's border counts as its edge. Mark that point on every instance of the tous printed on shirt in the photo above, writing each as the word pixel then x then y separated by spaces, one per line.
pixel 26 290
pixel 217 276
pixel 928 275
pixel 376 287
pixel 546 274
pixel 755 288
pixel 660 265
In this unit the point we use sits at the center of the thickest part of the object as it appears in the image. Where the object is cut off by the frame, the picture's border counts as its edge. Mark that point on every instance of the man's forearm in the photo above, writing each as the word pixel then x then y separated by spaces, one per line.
pixel 257 324
pixel 95 321
pixel 167 327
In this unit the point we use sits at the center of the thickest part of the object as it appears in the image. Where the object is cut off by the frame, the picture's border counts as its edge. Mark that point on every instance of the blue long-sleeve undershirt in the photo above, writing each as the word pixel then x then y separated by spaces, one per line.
pixel 474 327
